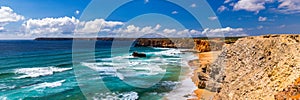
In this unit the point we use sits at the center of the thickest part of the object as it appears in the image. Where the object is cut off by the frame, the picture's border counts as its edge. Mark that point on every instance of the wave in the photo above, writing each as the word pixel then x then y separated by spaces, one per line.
pixel 33 91
pixel 38 71
pixel 117 96
pixel 158 48
pixel 123 70
pixel 49 85
pixel 124 66
pixel 3 86
pixel 103 71
pixel 169 85
pixel 168 52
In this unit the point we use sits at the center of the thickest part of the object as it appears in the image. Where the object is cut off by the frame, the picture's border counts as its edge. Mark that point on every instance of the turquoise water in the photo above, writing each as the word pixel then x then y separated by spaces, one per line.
pixel 44 70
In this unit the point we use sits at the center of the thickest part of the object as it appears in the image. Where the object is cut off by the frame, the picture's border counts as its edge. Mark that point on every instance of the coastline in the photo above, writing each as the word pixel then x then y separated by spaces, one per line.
pixel 188 89
pixel 185 90
pixel 204 58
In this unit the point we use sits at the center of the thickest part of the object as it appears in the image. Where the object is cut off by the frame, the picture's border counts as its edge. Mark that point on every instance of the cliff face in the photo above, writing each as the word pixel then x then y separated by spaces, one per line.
pixel 200 45
pixel 254 68
pixel 165 43
pixel 208 45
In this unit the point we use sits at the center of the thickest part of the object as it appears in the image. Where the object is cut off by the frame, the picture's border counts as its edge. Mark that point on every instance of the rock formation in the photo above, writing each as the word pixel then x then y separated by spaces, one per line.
pixel 136 54
pixel 165 43
pixel 257 68
pixel 199 45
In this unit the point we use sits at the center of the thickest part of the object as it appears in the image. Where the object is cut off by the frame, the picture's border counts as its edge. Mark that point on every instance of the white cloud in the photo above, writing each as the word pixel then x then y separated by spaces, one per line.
pixel 289 6
pixel 262 19
pixel 64 26
pixel 50 26
pixel 282 26
pixel 95 26
pixel 250 5
pixel 174 12
pixel 227 1
pixel 7 15
pixel 284 6
pixel 77 12
pixel 193 5
pixel 132 30
pixel 222 8
pixel 169 31
pixel 228 31
pixel 146 1
pixel 213 18
pixel 1 28
pixel 260 27
pixel 135 31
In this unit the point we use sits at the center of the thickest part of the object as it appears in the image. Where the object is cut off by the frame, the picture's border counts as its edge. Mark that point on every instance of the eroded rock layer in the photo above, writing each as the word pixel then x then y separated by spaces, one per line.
pixel 258 68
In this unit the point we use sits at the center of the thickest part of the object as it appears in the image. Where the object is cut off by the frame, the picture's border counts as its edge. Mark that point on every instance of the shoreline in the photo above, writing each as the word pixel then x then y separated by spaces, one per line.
pixel 188 89
pixel 184 91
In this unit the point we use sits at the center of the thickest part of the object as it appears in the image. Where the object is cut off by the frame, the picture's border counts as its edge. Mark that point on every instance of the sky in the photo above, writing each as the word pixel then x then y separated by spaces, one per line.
pixel 20 19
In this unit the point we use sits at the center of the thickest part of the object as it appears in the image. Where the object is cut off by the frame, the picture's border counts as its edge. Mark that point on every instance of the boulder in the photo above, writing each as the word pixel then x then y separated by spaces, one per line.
pixel 136 54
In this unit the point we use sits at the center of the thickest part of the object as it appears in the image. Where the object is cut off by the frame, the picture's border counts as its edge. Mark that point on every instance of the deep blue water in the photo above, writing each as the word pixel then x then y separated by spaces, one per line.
pixel 46 70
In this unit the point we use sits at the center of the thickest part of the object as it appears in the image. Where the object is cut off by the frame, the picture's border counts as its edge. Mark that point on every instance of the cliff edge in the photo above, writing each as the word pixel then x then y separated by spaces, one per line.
pixel 257 68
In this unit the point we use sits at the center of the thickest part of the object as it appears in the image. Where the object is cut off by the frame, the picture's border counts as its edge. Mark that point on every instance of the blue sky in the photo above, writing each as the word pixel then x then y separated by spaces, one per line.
pixel 63 18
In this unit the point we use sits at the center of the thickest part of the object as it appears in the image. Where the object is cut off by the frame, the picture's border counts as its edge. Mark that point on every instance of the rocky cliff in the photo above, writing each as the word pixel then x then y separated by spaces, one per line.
pixel 256 68
pixel 165 43
pixel 199 45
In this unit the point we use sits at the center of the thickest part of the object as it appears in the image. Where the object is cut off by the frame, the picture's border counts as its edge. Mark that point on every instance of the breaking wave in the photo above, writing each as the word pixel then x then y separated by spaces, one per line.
pixel 38 71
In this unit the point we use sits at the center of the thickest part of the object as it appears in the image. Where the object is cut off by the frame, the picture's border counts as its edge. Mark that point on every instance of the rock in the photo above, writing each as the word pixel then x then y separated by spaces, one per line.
pixel 257 68
pixel 202 85
pixel 197 44
pixel 292 92
pixel 136 54
pixel 165 42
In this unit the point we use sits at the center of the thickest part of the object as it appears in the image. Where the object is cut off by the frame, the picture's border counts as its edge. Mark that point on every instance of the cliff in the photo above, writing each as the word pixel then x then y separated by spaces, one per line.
pixel 165 43
pixel 197 44
pixel 256 68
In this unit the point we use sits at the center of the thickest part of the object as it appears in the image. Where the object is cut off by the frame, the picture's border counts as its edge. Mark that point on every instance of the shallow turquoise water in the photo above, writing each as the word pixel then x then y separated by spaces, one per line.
pixel 45 70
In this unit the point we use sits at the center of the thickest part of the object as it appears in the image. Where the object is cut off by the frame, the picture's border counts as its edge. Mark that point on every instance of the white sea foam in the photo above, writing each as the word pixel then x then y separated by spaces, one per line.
pixel 117 96
pixel 149 70
pixel 49 85
pixel 111 71
pixel 157 48
pixel 38 71
pixel 169 52
pixel 3 86
pixel 3 98
pixel 187 86
pixel 99 67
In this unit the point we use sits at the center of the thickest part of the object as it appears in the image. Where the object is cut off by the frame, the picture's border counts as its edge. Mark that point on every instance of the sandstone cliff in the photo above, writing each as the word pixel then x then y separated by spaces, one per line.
pixel 256 68
pixel 165 43
pixel 199 45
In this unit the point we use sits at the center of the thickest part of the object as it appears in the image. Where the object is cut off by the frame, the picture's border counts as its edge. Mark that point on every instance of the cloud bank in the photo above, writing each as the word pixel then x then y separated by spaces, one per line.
pixel 7 15
pixel 284 6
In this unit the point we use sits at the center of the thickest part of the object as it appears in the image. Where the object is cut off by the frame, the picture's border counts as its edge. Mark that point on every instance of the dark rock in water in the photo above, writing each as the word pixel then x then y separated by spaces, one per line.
pixel 202 85
pixel 136 54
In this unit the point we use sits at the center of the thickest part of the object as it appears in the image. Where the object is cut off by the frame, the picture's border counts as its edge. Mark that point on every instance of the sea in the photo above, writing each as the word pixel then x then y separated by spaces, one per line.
pixel 46 70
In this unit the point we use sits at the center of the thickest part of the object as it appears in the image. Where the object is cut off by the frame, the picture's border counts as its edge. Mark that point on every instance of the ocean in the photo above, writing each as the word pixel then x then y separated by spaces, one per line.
pixel 32 69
